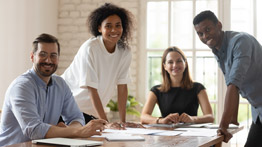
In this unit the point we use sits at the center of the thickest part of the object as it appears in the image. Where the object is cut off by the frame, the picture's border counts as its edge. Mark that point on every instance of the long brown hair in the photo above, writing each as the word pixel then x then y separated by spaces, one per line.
pixel 186 83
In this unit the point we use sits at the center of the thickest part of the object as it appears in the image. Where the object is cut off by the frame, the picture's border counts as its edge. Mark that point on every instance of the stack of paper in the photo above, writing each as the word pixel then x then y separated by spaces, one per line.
pixel 197 132
pixel 118 137
pixel 131 133
pixel 190 125
pixel 170 125
pixel 180 129
pixel 134 131
pixel 167 133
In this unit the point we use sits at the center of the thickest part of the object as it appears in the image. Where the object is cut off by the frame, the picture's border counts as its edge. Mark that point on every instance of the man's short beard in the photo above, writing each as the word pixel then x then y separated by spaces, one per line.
pixel 45 74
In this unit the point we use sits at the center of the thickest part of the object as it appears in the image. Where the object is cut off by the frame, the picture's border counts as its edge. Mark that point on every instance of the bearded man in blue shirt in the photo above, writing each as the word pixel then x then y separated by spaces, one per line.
pixel 239 57
pixel 35 100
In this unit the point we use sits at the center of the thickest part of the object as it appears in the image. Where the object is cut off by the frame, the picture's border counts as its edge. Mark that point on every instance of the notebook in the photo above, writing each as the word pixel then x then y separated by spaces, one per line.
pixel 67 142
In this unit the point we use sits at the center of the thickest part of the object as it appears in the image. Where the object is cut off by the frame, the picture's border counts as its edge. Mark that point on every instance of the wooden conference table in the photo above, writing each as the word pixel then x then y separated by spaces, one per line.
pixel 154 141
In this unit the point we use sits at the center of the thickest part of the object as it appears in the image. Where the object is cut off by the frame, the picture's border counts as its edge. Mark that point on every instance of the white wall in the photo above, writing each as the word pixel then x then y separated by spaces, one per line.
pixel 21 21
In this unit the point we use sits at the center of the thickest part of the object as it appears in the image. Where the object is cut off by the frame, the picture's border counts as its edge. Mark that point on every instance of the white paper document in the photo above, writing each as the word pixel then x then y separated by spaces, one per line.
pixel 119 137
pixel 169 125
pixel 197 132
pixel 111 134
pixel 129 131
pixel 208 125
pixel 167 133
pixel 202 125
pixel 134 131
pixel 181 125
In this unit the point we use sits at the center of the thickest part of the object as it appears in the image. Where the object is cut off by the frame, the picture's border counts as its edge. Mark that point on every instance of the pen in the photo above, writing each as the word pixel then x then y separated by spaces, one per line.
pixel 92 117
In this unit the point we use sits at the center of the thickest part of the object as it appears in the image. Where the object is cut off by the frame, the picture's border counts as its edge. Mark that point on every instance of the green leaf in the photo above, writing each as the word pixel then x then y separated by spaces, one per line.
pixel 112 105
pixel 130 105
pixel 133 112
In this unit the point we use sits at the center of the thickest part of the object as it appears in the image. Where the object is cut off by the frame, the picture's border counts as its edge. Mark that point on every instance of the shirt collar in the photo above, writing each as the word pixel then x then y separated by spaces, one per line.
pixel 39 80
pixel 100 37
pixel 223 46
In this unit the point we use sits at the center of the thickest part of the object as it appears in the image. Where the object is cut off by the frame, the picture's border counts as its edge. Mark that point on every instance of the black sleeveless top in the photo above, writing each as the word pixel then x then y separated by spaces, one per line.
pixel 178 100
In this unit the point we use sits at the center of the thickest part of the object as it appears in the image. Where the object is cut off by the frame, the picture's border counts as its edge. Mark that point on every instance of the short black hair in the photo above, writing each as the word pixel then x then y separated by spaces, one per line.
pixel 96 18
pixel 205 15
pixel 46 38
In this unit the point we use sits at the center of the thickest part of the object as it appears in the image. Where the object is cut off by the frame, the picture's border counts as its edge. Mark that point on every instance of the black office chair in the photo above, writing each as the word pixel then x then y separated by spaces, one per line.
pixel 86 116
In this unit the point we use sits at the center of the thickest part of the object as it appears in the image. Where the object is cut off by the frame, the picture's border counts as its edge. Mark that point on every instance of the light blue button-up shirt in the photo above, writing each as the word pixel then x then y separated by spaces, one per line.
pixel 31 107
pixel 240 60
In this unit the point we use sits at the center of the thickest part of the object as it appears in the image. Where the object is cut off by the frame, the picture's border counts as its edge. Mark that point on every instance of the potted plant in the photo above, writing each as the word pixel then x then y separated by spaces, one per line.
pixel 131 106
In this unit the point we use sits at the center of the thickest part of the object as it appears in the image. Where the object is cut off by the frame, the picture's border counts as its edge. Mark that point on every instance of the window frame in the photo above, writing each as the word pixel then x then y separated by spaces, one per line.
pixel 143 88
pixel 223 14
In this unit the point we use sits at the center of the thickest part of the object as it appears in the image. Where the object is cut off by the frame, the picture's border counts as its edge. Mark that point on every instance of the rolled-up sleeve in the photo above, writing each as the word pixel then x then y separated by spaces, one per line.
pixel 123 75
pixel 86 68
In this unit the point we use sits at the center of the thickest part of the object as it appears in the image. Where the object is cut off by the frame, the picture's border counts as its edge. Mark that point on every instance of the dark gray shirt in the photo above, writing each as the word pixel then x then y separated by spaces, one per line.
pixel 240 59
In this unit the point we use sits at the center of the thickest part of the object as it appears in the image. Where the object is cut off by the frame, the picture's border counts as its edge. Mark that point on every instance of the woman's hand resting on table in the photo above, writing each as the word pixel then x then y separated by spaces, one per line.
pixel 171 118
pixel 175 118
pixel 185 118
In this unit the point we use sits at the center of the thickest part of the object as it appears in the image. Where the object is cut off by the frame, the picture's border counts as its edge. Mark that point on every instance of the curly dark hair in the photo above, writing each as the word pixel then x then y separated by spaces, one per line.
pixel 96 18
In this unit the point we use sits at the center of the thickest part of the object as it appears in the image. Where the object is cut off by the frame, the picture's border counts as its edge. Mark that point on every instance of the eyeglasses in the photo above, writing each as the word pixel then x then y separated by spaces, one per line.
pixel 44 55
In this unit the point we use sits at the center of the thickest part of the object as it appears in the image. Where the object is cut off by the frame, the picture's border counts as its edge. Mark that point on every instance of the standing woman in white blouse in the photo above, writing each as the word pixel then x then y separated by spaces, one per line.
pixel 102 63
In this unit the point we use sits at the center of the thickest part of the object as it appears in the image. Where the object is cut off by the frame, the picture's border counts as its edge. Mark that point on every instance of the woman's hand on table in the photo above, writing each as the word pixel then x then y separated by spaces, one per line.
pixel 171 118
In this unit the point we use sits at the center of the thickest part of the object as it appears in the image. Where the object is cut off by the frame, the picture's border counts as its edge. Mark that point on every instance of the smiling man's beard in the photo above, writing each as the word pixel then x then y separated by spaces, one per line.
pixel 46 73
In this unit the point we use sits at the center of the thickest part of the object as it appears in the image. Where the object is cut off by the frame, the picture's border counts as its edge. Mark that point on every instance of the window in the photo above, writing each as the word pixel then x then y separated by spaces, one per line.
pixel 169 23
